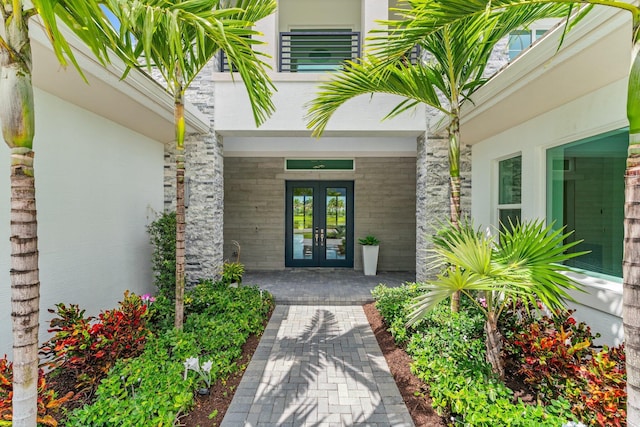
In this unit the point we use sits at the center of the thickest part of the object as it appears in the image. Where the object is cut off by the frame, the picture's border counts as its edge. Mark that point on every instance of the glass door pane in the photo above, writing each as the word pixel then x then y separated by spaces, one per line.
pixel 302 223
pixel 335 223
pixel 319 224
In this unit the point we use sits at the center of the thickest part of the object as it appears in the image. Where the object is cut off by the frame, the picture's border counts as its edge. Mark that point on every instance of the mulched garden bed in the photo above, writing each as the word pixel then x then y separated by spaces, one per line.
pixel 210 410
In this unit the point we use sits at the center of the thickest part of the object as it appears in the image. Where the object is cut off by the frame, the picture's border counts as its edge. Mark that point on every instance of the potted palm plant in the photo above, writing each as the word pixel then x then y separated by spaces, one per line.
pixel 370 250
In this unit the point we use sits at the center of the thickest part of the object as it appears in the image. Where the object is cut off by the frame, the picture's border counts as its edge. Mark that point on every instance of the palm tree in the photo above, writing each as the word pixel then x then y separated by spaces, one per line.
pixel 524 263
pixel 457 57
pixel 178 38
pixel 88 21
pixel 432 15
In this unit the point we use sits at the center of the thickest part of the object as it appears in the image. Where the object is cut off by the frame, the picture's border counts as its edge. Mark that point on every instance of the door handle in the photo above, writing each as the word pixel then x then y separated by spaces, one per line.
pixel 317 237
pixel 322 240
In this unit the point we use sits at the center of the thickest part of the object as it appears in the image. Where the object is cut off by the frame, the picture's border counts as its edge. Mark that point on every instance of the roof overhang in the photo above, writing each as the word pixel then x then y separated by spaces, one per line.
pixel 594 54
pixel 137 102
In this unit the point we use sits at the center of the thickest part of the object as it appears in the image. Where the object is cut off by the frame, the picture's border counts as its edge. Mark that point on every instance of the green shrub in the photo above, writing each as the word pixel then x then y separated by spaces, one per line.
pixel 161 314
pixel 393 305
pixel 151 389
pixel 448 354
pixel 162 233
pixel 88 347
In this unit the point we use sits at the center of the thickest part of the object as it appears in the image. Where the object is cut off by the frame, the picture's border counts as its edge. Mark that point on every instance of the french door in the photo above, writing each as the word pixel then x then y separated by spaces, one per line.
pixel 319 224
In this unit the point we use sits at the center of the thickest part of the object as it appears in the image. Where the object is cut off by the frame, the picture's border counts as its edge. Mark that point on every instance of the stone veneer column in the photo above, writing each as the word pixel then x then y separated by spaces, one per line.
pixel 432 193
pixel 204 171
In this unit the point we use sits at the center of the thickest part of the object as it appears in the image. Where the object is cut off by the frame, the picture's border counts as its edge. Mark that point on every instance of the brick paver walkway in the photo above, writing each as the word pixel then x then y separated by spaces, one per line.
pixel 302 286
pixel 317 366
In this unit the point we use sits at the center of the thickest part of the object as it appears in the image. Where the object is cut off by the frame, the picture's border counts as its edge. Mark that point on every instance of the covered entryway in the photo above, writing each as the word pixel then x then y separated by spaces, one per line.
pixel 383 202
pixel 319 224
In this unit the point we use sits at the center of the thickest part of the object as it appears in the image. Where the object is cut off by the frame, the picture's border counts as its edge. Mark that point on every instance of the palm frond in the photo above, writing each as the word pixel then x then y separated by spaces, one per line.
pixel 442 288
pixel 367 77
pixel 540 250
pixel 524 263
pixel 179 38
pixel 86 19
pixel 457 55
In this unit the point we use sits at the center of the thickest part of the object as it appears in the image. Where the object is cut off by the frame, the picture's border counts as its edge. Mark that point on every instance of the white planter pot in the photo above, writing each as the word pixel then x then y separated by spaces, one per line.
pixel 370 259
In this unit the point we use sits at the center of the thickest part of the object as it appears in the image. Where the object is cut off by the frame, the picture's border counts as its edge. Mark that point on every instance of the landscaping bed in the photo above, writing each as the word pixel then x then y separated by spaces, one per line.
pixel 560 378
pixel 130 367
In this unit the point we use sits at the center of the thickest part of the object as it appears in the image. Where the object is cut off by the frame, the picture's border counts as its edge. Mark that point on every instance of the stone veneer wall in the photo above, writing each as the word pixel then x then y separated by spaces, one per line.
pixel 432 182
pixel 384 197
pixel 204 171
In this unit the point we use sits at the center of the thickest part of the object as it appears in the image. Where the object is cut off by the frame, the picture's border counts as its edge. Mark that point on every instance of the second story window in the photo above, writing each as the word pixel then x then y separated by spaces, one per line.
pixel 304 50
pixel 519 40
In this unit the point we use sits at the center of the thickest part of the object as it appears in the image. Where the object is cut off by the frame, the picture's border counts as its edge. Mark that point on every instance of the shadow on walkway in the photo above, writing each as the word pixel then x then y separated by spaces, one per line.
pixel 318 366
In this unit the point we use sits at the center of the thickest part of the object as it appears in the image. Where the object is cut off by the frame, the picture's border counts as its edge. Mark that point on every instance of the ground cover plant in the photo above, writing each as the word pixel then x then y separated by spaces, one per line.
pixel 448 354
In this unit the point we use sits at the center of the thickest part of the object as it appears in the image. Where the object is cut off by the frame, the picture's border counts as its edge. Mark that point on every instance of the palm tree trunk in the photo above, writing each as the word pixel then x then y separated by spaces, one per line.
pixel 454 182
pixel 493 344
pixel 180 209
pixel 25 288
pixel 631 260
pixel 17 118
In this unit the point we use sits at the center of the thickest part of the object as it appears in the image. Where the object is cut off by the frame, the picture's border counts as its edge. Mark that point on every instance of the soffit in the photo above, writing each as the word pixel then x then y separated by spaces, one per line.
pixel 137 103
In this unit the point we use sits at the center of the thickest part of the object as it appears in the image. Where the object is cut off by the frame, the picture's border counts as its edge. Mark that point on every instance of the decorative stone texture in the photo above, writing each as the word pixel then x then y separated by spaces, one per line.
pixel 432 189
pixel 384 204
pixel 499 58
pixel 204 172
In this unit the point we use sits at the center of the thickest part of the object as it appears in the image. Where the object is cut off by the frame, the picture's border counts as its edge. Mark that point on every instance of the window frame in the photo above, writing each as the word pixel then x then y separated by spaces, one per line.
pixel 550 213
pixel 505 206
pixel 534 33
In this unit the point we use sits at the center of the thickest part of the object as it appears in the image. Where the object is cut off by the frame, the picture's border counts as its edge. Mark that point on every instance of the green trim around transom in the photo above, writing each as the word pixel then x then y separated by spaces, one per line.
pixel 319 164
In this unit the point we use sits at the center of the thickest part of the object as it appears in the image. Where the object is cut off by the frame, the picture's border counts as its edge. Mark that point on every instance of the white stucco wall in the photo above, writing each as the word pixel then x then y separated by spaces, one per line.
pixel 295 14
pixel 309 147
pixel 362 115
pixel 592 114
pixel 98 185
